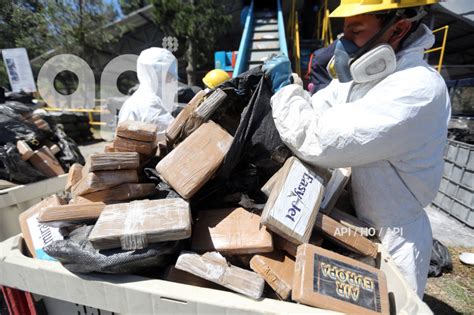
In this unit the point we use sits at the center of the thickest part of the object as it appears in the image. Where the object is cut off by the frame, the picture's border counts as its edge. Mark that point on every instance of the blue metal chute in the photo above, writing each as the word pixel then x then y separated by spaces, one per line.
pixel 281 30
pixel 263 36
pixel 242 55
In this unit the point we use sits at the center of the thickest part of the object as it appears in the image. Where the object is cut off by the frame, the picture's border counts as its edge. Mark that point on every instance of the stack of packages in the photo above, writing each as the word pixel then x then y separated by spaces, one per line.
pixel 273 250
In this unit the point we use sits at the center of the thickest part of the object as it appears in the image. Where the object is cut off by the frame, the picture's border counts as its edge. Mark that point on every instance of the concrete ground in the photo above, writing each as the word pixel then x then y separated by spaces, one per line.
pixel 448 230
pixel 92 147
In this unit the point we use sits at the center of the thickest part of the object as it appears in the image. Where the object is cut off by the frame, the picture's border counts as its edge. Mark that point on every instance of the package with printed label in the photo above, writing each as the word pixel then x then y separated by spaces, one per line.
pixel 136 224
pixel 230 231
pixel 331 281
pixel 294 201
pixel 38 235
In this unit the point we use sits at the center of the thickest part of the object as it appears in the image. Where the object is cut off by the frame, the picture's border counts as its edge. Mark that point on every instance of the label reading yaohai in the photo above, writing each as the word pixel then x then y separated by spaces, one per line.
pixel 346 283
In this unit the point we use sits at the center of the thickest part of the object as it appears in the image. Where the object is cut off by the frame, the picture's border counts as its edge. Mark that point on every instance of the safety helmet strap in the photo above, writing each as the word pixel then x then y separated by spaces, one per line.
pixel 369 45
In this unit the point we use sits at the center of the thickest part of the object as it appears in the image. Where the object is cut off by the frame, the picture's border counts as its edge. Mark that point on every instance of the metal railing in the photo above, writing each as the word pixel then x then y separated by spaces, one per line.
pixel 90 113
pixel 323 29
pixel 242 55
pixel 294 35
pixel 441 48
pixel 281 30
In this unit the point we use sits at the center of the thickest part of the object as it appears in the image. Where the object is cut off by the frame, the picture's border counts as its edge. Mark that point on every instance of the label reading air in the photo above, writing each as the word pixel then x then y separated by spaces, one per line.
pixel 297 199
pixel 42 235
pixel 346 283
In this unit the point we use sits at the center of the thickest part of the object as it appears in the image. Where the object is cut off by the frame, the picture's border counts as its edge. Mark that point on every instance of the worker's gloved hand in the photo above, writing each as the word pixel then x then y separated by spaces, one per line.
pixel 278 70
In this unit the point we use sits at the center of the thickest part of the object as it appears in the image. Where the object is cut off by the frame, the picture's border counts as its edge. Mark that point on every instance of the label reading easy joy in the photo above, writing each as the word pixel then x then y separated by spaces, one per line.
pixel 346 283
pixel 297 199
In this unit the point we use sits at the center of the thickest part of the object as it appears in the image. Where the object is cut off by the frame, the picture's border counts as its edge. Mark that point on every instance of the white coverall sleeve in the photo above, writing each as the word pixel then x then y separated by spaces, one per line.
pixel 389 120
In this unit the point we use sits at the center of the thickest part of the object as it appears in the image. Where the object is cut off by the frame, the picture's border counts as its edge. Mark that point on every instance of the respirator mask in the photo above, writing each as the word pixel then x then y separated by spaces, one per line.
pixel 370 62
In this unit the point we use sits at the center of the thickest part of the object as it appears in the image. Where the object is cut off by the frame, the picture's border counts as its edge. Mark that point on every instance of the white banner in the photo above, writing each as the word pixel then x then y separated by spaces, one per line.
pixel 19 70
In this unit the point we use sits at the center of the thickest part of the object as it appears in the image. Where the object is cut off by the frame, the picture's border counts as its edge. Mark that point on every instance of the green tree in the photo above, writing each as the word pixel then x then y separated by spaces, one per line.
pixel 81 28
pixel 197 23
pixel 129 6
pixel 22 26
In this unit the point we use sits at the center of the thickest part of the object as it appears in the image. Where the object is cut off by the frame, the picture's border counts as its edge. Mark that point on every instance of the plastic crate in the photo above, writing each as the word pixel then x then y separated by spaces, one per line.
pixel 455 195
pixel 15 200
pixel 140 295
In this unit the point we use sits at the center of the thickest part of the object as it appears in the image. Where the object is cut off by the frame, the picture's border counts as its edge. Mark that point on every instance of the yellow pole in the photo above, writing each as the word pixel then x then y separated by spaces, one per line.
pixel 318 25
pixel 441 57
pixel 329 29
pixel 297 44
pixel 291 21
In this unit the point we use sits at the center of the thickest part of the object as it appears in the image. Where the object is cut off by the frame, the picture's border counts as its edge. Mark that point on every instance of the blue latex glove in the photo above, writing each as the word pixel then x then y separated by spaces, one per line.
pixel 278 70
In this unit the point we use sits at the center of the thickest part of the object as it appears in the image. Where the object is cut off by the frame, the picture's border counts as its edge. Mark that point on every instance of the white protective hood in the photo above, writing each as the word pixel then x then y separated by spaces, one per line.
pixel 392 132
pixel 155 97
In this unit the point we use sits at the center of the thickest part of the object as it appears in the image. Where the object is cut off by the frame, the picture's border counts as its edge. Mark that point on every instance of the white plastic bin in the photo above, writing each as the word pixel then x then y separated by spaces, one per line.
pixel 456 190
pixel 135 294
pixel 15 200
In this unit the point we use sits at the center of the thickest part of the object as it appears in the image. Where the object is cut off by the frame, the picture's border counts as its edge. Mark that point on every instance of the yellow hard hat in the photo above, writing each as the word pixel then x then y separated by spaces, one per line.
pixel 215 77
pixel 356 7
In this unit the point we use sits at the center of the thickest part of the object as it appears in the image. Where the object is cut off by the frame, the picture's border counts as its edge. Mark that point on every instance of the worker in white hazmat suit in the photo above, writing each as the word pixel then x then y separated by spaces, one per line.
pixel 385 116
pixel 154 100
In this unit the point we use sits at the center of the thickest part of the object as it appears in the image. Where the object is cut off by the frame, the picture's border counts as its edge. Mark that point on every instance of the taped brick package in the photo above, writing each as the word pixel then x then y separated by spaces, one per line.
pixel 74 176
pixel 331 281
pixel 277 269
pixel 136 224
pixel 215 268
pixel 174 130
pixel 334 188
pixel 230 231
pixel 45 161
pixel 179 276
pixel 135 136
pixel 195 160
pixel 113 161
pixel 294 201
pixel 64 214
pixel 137 130
pixel 123 192
pixel 101 180
pixel 345 236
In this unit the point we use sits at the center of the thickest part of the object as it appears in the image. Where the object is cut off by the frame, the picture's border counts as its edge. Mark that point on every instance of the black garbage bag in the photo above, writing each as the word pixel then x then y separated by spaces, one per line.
pixel 256 139
pixel 14 127
pixel 440 261
pixel 257 149
pixel 69 153
pixel 14 169
pixel 22 97
pixel 77 255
